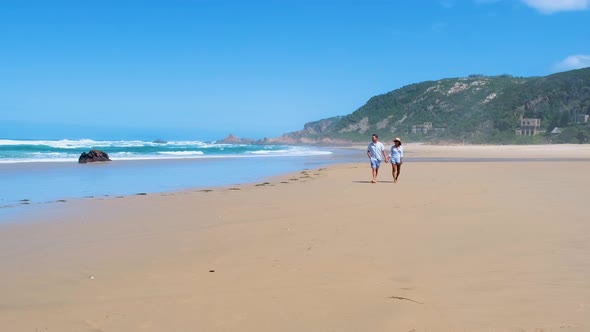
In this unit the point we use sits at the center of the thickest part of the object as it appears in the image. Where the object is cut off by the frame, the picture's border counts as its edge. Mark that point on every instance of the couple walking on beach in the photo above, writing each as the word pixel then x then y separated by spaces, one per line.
pixel 376 153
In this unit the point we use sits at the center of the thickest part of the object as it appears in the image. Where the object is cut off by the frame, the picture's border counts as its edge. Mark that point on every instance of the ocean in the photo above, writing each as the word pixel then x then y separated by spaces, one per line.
pixel 38 172
pixel 21 151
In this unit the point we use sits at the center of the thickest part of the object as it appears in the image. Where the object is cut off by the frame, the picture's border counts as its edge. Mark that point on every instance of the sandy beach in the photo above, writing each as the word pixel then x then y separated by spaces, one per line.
pixel 453 246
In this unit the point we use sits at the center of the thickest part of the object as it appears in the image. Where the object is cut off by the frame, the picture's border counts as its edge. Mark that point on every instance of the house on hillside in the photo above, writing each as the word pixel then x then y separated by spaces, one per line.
pixel 583 118
pixel 425 128
pixel 529 127
pixel 422 129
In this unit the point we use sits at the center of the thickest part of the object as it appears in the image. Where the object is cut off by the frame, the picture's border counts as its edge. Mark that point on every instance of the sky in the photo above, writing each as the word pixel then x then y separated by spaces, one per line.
pixel 201 69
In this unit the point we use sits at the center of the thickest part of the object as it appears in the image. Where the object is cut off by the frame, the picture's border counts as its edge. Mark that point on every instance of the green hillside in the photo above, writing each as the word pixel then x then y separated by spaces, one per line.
pixel 474 109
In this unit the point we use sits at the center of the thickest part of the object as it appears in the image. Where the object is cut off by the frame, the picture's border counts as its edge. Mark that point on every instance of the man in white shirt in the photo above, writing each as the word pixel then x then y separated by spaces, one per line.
pixel 376 153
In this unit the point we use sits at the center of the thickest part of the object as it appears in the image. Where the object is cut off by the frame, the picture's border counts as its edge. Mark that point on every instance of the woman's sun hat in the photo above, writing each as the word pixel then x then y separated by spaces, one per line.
pixel 397 139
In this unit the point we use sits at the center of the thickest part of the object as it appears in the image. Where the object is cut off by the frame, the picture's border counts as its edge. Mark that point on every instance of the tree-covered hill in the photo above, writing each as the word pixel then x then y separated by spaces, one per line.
pixel 474 109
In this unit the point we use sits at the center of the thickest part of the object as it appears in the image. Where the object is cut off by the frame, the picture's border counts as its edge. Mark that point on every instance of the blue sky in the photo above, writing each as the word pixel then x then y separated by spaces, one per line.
pixel 202 69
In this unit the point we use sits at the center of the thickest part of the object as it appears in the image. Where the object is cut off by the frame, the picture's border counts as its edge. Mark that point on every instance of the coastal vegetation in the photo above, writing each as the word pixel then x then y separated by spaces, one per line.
pixel 473 109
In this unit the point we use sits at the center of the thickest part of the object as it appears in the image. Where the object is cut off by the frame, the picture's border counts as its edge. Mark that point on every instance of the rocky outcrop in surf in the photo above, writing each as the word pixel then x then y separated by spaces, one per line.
pixel 93 156
pixel 231 139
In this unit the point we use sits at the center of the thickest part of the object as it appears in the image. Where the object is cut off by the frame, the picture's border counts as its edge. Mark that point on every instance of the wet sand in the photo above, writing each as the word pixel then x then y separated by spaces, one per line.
pixel 453 246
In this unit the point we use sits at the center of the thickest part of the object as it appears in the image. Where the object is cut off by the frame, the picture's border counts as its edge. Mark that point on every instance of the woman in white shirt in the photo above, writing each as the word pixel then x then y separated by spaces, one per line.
pixel 397 158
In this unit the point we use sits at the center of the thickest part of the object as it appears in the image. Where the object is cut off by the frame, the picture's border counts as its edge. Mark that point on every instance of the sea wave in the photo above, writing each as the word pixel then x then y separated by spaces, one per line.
pixel 295 151
pixel 62 144
pixel 36 160
pixel 51 155
pixel 23 151
pixel 181 153
pixel 89 143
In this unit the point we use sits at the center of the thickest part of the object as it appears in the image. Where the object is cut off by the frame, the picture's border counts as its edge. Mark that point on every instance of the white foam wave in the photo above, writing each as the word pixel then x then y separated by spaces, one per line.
pixel 33 160
pixel 181 153
pixel 268 152
pixel 64 144
pixel 51 155
pixel 88 143
pixel 264 152
pixel 295 151
pixel 117 155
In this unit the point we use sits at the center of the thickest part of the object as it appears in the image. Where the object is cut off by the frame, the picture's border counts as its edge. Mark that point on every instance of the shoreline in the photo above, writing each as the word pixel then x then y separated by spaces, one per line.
pixel 40 183
pixel 36 210
pixel 415 153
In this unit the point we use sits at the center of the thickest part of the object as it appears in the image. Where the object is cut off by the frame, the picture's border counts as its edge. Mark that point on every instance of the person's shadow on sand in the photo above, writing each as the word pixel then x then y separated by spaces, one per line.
pixel 372 182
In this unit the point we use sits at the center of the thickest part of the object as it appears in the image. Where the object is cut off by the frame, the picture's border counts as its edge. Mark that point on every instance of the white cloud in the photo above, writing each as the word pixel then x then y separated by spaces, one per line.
pixel 552 6
pixel 573 62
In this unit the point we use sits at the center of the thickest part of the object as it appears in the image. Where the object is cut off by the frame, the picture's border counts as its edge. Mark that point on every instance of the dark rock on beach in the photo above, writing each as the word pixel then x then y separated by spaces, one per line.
pixel 93 156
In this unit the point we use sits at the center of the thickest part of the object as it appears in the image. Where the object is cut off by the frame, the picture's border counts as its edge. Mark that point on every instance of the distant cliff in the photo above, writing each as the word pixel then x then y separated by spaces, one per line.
pixel 473 109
